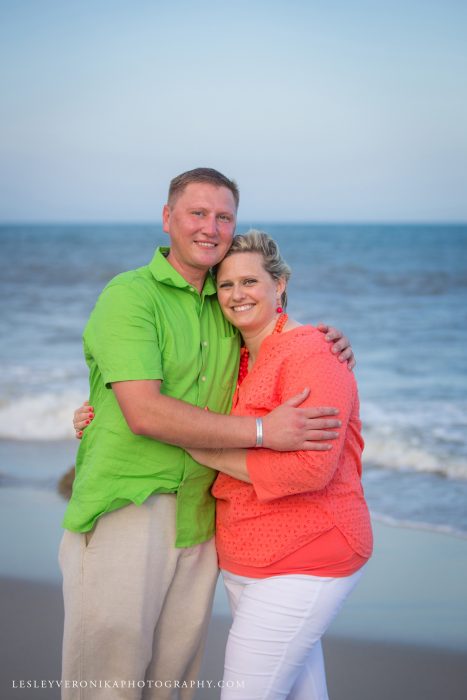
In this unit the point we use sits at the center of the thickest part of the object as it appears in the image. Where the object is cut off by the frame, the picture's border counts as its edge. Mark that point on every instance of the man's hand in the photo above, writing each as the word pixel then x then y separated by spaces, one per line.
pixel 340 344
pixel 288 427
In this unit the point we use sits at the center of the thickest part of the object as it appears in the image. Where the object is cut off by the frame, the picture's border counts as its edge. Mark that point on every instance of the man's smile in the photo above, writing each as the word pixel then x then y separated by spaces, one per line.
pixel 205 244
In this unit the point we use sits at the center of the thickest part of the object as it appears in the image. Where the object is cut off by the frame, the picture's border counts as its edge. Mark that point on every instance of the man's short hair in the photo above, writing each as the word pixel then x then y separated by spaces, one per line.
pixel 206 175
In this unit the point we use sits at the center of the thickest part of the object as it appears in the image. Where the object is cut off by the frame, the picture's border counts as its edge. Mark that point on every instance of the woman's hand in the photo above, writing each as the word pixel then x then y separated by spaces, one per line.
pixel 81 418
pixel 340 344
pixel 206 457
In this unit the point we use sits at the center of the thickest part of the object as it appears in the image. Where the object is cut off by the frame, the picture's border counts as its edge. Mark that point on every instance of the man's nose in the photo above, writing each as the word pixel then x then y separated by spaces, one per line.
pixel 210 225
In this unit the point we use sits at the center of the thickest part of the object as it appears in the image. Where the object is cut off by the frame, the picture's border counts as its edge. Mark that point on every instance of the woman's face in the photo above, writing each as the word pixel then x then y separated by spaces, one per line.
pixel 248 295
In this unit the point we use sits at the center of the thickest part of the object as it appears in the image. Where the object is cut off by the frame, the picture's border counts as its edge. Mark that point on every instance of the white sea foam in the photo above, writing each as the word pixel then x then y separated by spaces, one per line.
pixel 389 442
pixel 429 415
pixel 18 375
pixel 396 453
pixel 46 416
pixel 424 437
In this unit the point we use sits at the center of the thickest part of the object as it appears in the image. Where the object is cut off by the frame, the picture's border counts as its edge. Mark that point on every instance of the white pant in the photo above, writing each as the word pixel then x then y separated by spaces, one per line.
pixel 274 648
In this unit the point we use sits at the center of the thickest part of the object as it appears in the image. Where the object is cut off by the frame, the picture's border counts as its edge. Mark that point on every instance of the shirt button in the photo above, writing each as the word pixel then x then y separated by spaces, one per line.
pixel 192 289
pixel 205 343
pixel 203 379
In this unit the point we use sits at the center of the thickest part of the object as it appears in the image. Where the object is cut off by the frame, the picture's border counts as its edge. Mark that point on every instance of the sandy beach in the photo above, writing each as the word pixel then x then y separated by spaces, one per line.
pixel 356 669
pixel 401 635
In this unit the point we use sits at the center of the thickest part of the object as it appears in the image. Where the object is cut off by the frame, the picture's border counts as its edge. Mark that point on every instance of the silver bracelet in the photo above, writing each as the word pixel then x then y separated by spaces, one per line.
pixel 259 432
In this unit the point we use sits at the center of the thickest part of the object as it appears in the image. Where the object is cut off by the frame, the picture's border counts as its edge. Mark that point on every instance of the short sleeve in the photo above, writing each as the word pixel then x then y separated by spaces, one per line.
pixel 121 334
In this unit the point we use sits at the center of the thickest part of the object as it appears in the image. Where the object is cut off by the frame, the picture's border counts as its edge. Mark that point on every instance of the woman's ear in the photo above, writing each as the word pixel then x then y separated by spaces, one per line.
pixel 280 286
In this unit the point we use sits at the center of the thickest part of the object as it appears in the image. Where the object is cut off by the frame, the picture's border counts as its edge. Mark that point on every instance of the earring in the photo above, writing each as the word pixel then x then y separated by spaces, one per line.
pixel 279 308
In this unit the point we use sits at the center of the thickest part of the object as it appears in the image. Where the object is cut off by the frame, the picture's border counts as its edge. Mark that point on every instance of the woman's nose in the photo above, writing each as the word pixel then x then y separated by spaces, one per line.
pixel 237 291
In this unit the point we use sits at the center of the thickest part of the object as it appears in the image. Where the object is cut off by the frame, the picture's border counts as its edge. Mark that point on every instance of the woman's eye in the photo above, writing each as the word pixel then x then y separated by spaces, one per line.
pixel 250 281
pixel 224 285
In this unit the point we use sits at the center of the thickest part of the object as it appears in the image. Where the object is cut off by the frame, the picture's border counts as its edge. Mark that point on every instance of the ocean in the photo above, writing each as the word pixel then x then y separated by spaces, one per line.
pixel 398 291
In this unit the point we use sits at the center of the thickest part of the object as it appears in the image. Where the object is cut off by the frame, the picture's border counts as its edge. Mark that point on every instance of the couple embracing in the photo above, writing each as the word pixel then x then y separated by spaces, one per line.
pixel 204 391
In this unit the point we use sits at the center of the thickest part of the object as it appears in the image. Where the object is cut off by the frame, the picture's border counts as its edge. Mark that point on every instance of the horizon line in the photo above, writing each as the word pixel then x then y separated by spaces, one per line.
pixel 250 222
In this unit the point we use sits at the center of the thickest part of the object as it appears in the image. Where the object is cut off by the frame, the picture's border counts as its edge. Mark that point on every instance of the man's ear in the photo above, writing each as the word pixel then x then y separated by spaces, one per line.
pixel 166 218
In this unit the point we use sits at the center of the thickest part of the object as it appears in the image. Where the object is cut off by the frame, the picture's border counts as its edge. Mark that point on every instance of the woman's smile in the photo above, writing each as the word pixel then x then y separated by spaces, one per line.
pixel 242 307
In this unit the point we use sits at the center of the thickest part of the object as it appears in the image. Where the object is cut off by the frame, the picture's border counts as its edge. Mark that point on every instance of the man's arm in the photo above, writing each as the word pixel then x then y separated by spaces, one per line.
pixel 150 413
pixel 276 474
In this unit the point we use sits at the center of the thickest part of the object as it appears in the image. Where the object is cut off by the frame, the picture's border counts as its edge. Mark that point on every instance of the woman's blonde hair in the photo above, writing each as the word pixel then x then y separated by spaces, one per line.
pixel 254 241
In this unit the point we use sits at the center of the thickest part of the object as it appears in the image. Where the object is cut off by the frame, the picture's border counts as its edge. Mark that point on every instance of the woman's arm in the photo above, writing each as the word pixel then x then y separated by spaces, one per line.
pixel 275 474
pixel 230 461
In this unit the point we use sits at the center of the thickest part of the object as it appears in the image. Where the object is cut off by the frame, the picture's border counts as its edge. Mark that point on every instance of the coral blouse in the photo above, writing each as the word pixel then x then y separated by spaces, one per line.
pixel 304 512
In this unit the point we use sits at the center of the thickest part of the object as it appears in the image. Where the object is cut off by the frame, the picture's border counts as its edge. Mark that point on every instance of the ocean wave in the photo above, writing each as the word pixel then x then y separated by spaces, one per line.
pixel 390 443
pixel 26 373
pixel 428 437
pixel 419 414
pixel 43 417
pixel 418 525
pixel 396 453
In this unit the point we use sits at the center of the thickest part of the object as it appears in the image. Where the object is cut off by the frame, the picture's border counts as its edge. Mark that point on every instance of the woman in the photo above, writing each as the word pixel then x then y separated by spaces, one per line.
pixel 293 530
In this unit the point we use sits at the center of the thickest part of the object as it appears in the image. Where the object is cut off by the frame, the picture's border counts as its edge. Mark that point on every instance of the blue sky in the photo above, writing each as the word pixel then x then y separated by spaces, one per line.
pixel 322 111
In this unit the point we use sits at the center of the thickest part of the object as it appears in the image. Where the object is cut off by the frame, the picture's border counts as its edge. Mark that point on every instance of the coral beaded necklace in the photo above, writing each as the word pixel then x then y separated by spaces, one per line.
pixel 245 354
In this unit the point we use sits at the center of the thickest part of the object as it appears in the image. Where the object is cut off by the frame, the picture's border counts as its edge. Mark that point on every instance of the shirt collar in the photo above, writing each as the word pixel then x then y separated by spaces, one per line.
pixel 163 272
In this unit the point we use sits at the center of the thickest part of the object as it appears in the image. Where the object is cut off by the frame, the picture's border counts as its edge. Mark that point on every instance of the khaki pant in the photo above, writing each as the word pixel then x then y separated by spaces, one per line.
pixel 136 608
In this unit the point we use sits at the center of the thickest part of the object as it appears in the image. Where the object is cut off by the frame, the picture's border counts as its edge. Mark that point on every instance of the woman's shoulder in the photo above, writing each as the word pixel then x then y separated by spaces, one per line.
pixel 306 356
pixel 304 347
pixel 294 347
pixel 302 338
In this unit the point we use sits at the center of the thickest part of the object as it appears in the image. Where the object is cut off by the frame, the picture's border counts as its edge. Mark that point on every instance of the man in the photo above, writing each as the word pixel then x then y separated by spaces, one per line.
pixel 138 556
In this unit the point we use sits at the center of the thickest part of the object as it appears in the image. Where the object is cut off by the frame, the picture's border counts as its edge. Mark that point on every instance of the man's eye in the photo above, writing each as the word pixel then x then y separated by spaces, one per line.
pixel 224 217
pixel 197 213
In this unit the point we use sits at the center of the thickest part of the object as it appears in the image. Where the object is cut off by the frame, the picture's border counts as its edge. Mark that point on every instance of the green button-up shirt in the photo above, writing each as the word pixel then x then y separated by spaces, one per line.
pixel 150 323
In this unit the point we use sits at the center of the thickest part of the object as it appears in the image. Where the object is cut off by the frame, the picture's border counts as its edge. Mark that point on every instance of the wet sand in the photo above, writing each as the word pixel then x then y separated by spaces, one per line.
pixel 357 669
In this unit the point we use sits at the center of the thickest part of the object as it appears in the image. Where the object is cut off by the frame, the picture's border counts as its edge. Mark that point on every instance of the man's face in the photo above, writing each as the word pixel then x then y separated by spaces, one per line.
pixel 201 224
